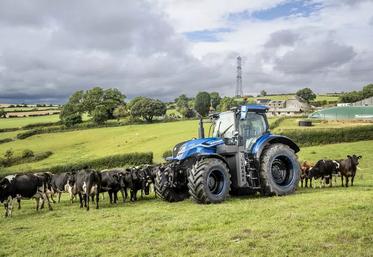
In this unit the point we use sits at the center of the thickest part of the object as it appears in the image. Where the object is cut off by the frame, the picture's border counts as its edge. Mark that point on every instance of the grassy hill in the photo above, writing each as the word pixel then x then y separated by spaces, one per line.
pixel 312 222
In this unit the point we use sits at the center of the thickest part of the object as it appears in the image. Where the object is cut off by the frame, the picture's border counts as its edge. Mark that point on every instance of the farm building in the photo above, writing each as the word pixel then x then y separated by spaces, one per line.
pixel 344 113
pixel 290 107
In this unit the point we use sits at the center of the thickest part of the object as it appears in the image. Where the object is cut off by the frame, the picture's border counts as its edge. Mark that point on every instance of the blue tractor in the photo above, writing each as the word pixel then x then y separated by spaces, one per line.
pixel 241 157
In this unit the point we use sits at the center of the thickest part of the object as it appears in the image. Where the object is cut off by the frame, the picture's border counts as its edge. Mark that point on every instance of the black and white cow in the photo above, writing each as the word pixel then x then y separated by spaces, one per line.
pixel 324 169
pixel 87 183
pixel 23 186
pixel 60 184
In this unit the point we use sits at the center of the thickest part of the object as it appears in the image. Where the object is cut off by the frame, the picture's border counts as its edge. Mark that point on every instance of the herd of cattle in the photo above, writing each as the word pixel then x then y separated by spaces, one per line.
pixel 325 170
pixel 88 183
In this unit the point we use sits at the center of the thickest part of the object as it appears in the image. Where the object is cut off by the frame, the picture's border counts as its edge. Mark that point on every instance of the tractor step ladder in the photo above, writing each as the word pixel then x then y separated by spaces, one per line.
pixel 253 175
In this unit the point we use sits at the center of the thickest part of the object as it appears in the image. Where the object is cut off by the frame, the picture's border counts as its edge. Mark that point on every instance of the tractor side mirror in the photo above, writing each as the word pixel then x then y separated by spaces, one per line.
pixel 236 134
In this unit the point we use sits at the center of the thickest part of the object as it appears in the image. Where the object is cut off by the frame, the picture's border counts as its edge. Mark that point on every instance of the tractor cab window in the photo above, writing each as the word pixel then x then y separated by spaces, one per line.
pixel 252 128
pixel 225 125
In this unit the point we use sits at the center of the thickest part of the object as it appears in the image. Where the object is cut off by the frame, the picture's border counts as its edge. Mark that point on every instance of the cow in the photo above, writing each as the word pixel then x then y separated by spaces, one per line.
pixel 46 177
pixel 23 186
pixel 60 184
pixel 140 181
pixel 305 168
pixel 324 169
pixel 348 168
pixel 112 182
pixel 88 183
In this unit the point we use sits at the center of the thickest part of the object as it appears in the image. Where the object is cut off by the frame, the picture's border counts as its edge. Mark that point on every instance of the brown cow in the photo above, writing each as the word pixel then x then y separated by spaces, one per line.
pixel 348 168
pixel 304 172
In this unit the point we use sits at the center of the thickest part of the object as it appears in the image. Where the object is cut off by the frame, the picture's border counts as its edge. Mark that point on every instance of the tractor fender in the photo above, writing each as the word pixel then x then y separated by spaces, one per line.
pixel 213 155
pixel 272 139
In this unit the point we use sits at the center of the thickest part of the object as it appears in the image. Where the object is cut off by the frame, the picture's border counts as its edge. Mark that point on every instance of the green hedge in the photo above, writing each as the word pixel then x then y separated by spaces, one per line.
pixel 5 140
pixel 119 160
pixel 41 124
pixel 24 159
pixel 8 130
pixel 276 123
pixel 308 137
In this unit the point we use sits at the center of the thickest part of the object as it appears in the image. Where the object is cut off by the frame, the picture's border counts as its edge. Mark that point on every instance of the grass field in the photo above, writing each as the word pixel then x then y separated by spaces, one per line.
pixel 20 122
pixel 75 146
pixel 292 123
pixel 312 222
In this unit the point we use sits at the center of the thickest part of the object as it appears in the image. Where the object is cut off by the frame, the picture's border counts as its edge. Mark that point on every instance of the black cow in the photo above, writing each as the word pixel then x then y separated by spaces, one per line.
pixel 324 169
pixel 23 186
pixel 113 181
pixel 60 184
pixel 348 168
pixel 87 183
pixel 140 181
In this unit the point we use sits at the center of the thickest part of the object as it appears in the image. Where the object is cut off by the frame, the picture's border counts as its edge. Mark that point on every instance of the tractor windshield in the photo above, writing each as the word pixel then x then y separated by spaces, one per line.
pixel 225 125
pixel 252 128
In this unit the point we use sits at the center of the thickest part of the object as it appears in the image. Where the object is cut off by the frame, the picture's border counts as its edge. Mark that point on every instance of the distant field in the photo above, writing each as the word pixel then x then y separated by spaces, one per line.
pixel 27 109
pixel 20 122
pixel 292 123
pixel 312 222
pixel 81 145
pixel 286 97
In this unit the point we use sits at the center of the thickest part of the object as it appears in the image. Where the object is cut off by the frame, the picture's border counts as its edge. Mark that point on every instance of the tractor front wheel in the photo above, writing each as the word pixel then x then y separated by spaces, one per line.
pixel 279 170
pixel 209 181
pixel 165 190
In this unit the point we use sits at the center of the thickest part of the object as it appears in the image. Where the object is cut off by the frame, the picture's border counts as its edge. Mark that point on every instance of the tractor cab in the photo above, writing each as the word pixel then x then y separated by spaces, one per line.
pixel 242 127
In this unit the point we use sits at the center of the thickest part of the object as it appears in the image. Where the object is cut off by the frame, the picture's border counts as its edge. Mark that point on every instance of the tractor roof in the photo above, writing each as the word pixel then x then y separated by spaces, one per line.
pixel 254 108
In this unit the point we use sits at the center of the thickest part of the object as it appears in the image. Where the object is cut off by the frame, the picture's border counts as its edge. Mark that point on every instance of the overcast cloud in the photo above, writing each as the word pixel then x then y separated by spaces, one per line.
pixel 161 49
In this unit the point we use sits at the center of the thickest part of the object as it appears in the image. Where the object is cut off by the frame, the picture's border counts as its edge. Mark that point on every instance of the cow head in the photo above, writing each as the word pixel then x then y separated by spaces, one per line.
pixel 4 189
pixel 354 159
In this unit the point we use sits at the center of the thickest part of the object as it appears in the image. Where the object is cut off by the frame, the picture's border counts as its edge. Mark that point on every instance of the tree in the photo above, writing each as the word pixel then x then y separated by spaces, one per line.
pixel 120 112
pixel 202 103
pixel 100 114
pixel 227 103
pixel 368 91
pixel 263 93
pixel 182 106
pixel 215 99
pixel 306 94
pixel 92 98
pixel 147 108
pixel 2 113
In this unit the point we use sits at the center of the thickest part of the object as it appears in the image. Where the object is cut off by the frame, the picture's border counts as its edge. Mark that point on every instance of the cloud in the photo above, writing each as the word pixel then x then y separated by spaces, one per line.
pixel 165 48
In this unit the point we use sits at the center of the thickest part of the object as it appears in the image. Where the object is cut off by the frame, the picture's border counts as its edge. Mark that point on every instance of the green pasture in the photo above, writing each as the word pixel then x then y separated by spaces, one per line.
pixel 312 222
pixel 20 122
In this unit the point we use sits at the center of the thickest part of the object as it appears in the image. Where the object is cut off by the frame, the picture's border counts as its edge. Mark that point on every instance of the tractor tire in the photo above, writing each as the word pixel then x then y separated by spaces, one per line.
pixel 209 181
pixel 167 193
pixel 279 170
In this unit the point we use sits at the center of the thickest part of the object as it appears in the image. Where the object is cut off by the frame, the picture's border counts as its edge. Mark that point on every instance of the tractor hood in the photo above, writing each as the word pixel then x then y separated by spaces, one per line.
pixel 197 146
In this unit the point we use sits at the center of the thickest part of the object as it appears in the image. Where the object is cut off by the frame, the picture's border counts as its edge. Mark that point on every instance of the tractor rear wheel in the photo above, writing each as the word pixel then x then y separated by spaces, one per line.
pixel 279 170
pixel 209 181
pixel 165 191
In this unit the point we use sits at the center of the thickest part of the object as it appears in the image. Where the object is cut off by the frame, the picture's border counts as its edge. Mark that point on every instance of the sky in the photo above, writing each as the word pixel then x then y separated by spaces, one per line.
pixel 164 48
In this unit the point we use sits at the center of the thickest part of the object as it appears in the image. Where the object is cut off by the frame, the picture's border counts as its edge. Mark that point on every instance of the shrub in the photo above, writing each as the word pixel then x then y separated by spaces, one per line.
pixel 166 154
pixel 308 137
pixel 41 124
pixel 5 140
pixel 276 123
pixel 112 161
pixel 8 130
pixel 27 153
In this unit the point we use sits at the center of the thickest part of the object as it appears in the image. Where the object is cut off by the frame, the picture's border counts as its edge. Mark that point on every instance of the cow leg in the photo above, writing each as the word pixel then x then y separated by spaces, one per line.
pixel 59 197
pixel 19 202
pixel 87 200
pixel 115 197
pixel 81 200
pixel 110 196
pixel 97 197
pixel 342 179
pixel 352 180
pixel 8 205
pixel 122 192
pixel 37 199
pixel 301 182
pixel 346 181
pixel 46 198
